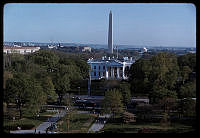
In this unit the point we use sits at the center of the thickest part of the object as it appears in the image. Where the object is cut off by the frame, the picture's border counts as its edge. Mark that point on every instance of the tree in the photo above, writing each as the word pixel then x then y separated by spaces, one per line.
pixel 139 76
pixel 62 85
pixel 45 58
pixel 188 90
pixel 35 98
pixel 188 60
pixel 6 76
pixel 156 76
pixel 126 94
pixel 184 72
pixel 163 76
pixel 113 102
pixel 17 89
pixel 48 89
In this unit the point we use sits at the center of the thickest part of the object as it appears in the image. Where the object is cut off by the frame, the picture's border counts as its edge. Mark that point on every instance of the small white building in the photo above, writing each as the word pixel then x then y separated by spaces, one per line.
pixel 109 69
pixel 86 48
pixel 20 49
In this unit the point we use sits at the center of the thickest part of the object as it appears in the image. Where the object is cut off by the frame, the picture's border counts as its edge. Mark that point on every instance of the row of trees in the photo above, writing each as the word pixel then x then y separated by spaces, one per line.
pixel 35 79
pixel 164 75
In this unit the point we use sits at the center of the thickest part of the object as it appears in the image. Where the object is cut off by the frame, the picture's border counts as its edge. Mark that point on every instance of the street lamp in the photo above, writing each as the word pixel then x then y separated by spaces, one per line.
pixel 79 90
pixel 67 119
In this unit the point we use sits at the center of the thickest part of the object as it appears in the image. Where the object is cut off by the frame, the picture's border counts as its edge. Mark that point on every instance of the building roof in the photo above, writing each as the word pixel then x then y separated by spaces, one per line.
pixel 111 62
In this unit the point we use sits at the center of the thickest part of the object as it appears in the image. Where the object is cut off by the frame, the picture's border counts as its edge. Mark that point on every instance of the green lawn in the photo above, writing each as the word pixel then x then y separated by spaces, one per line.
pixel 154 128
pixel 27 121
pixel 79 123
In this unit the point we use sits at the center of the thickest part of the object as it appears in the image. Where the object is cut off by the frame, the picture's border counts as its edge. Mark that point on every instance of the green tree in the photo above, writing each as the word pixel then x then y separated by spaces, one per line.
pixel 126 94
pixel 45 58
pixel 188 90
pixel 35 98
pixel 156 76
pixel 6 76
pixel 188 60
pixel 113 102
pixel 139 77
pixel 17 89
pixel 163 76
pixel 62 85
pixel 184 72
pixel 48 89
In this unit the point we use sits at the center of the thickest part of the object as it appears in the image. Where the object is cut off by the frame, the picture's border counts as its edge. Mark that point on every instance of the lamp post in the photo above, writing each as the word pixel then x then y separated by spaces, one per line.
pixel 79 90
pixel 67 119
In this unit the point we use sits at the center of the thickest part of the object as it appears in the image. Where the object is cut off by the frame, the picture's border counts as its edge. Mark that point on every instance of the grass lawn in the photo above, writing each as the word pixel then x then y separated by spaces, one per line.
pixel 154 128
pixel 27 122
pixel 79 123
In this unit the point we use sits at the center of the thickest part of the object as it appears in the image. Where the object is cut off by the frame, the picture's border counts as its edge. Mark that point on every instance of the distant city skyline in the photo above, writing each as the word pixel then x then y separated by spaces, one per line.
pixel 163 24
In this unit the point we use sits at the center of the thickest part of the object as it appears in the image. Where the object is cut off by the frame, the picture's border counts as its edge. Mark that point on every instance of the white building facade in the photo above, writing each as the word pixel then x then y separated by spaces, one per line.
pixel 20 49
pixel 109 69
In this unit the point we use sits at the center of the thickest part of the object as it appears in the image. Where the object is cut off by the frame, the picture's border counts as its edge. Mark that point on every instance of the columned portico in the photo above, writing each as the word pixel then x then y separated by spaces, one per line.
pixel 108 69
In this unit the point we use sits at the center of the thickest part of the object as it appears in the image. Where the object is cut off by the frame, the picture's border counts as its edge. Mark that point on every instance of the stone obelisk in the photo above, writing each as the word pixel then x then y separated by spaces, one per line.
pixel 110 34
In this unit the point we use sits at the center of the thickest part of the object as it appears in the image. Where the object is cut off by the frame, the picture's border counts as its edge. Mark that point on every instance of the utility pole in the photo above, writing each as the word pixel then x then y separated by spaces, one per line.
pixel 67 119
pixel 117 51
pixel 89 84
pixel 68 107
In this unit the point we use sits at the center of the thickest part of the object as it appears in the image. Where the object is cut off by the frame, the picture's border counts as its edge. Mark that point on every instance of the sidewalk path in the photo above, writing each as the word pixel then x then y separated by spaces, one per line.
pixel 99 123
pixel 42 127
pixel 53 119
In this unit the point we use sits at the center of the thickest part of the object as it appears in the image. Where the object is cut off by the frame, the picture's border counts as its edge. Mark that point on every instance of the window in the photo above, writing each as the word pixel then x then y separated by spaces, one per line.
pixel 94 67
pixel 104 74
pixel 103 67
pixel 99 67
pixel 94 73
pixel 99 74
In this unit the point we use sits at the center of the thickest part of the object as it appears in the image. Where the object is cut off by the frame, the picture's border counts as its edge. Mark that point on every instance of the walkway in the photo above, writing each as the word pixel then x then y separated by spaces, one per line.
pixel 42 127
pixel 99 124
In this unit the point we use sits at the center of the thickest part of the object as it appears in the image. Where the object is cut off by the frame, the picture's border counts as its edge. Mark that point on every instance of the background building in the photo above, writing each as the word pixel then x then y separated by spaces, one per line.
pixel 20 50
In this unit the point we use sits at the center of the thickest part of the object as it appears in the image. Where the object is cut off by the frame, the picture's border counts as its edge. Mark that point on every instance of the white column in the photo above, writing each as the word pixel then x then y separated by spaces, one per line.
pixel 123 70
pixel 111 72
pixel 106 72
pixel 118 75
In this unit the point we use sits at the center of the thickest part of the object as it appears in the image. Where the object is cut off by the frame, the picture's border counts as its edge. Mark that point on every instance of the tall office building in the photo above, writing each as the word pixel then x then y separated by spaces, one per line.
pixel 110 34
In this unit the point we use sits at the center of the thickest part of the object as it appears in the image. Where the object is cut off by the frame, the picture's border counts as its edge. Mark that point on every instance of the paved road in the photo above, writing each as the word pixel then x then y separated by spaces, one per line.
pixel 99 123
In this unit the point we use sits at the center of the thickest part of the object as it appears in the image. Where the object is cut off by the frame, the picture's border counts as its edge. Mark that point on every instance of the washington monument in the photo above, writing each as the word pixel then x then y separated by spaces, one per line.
pixel 110 34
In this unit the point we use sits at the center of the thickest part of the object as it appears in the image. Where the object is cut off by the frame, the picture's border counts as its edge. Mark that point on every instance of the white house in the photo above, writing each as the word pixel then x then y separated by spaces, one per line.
pixel 109 69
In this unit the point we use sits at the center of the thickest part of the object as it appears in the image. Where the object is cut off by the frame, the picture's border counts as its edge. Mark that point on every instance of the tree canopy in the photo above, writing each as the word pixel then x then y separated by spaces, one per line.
pixel 40 77
pixel 160 75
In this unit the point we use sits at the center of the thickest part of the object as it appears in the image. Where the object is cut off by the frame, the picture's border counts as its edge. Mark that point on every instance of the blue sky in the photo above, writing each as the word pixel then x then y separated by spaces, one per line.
pixel 133 24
